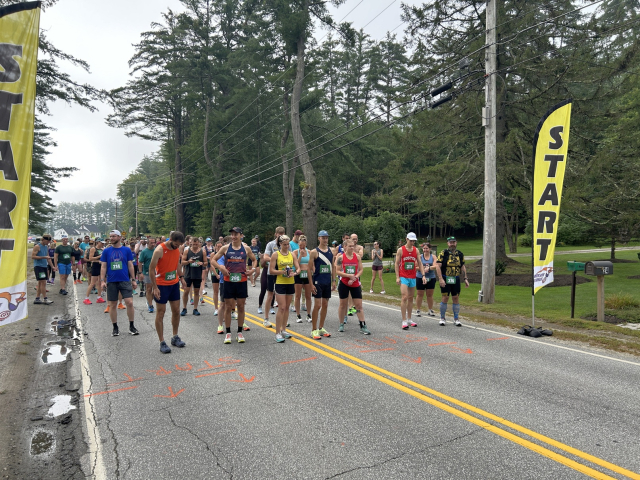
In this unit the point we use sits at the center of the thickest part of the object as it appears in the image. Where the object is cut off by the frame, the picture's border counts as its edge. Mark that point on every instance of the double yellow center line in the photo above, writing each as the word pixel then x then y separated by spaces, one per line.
pixel 456 407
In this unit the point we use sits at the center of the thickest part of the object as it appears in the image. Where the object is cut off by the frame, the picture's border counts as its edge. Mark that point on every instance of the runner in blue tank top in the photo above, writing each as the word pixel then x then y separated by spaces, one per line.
pixel 302 280
pixel 323 274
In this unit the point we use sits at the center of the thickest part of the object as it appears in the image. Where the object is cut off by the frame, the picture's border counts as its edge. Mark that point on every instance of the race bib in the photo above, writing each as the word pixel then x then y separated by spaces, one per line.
pixel 42 275
pixel 350 269
pixel 116 265
pixel 409 265
pixel 194 265
pixel 325 269
pixel 170 275
pixel 304 274
pixel 235 277
pixel 451 280
pixel 66 256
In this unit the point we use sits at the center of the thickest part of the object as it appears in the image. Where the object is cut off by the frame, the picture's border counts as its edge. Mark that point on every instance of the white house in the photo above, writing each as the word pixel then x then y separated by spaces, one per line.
pixel 67 230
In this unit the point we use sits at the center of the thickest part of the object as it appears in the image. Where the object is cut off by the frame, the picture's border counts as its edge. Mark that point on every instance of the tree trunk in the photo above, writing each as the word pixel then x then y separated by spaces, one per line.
pixel 207 158
pixel 613 248
pixel 501 252
pixel 288 169
pixel 177 142
pixel 309 205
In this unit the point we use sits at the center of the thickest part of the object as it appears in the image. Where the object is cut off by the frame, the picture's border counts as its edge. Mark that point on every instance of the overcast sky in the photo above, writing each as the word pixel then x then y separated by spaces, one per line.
pixel 102 33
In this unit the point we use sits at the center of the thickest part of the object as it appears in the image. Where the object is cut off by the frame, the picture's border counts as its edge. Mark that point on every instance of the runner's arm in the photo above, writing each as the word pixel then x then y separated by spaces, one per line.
pixel 296 263
pixel 131 272
pixel 339 272
pixel 157 255
pixel 397 263
pixel 103 272
pixel 253 258
pixel 360 268
pixel 274 262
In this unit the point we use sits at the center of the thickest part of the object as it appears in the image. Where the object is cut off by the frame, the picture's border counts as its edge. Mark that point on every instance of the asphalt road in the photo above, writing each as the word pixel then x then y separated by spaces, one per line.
pixel 433 402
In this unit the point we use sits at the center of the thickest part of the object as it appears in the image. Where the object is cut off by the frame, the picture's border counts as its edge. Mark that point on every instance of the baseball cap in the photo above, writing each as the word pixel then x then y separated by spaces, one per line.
pixel 322 233
pixel 115 232
pixel 64 236
pixel 335 242
pixel 451 239
pixel 98 240
pixel 208 239
pixel 300 232
pixel 236 229
pixel 411 236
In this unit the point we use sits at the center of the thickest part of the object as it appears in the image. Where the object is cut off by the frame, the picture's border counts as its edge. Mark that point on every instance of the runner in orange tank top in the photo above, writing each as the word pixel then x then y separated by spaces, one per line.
pixel 165 271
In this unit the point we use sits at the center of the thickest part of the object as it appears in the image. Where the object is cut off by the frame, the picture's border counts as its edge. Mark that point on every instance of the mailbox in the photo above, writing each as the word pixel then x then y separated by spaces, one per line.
pixel 598 268
pixel 575 266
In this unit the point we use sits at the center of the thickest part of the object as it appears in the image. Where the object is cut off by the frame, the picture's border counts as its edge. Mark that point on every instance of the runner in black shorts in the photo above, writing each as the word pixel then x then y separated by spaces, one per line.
pixel 429 264
pixel 450 266
pixel 323 277
pixel 350 272
pixel 193 261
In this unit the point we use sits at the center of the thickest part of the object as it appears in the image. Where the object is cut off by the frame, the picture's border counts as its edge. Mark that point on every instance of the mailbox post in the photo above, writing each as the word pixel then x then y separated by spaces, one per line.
pixel 599 269
pixel 574 267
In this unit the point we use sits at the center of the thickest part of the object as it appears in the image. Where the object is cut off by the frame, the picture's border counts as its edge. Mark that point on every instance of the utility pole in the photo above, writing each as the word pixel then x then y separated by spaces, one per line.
pixel 136 195
pixel 487 294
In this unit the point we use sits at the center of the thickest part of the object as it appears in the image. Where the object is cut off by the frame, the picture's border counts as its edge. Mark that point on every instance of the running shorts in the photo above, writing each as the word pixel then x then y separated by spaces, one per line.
pixel 113 288
pixel 344 291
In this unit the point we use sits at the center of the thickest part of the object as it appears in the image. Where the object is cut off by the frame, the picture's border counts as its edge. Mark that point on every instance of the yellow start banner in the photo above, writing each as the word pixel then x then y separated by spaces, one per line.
pixel 19 28
pixel 550 147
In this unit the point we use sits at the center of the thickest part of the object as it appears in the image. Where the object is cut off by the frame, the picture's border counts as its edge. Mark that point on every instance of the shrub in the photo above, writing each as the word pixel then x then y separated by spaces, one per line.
pixel 387 228
pixel 620 301
pixel 525 240
pixel 500 267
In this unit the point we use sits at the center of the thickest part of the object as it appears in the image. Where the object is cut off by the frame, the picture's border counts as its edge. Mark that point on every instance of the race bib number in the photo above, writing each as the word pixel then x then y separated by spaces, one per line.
pixel 451 280
pixel 235 277
pixel 42 275
pixel 170 275
pixel 66 256
pixel 409 265
pixel 350 269
pixel 325 269
pixel 304 274
pixel 116 265
pixel 194 264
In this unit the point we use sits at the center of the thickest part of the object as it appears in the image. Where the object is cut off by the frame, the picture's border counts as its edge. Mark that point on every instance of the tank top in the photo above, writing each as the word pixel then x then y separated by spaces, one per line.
pixel 167 267
pixel 431 273
pixel 195 271
pixel 350 265
pixel 376 261
pixel 42 252
pixel 283 262
pixel 408 263
pixel 236 263
pixel 322 271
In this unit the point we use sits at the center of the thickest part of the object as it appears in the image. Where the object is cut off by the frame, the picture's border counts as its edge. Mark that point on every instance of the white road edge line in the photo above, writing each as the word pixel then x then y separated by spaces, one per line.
pixel 520 337
pixel 93 443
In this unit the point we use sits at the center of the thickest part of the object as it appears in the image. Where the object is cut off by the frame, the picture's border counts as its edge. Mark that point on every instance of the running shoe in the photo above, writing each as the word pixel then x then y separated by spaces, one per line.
pixel 37 301
pixel 150 308
pixel 304 307
pixel 220 329
pixel 267 323
pixel 316 335
pixel 431 313
pixel 272 312
pixel 215 313
pixel 418 313
pixel 204 293
pixel 260 312
pixel 133 330
pixel 202 301
pixel 164 348
pixel 288 324
pixel 275 303
pixel 245 327
pixel 412 323
pixel 286 334
pixel 60 292
pixel 177 342
pixel 227 338
pixel 196 312
pixel 345 319
pixel 351 311
pixel 121 306
pixel 183 312
pixel 279 338
pixel 46 301
pixel 324 333
pixel 299 319
pixel 456 322
pixel 86 301
pixel 370 290
pixel 191 302
pixel 341 327
pixel 253 284
pixel 141 294
pixel 116 331
pixel 234 316
pixel 442 322
pixel 100 300
pixel 365 330
pixel 382 292
pixel 308 318
pixel 240 338
pixel 405 325
pixel 106 310
pixel 292 308
pixel 135 292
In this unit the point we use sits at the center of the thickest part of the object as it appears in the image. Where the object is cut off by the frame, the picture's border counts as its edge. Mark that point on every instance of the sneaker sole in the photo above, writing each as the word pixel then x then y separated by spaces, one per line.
pixel 132 333
pixel 115 334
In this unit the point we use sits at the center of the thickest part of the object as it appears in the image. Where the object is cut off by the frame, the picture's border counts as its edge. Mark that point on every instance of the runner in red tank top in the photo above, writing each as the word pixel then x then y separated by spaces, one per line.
pixel 350 271
pixel 407 262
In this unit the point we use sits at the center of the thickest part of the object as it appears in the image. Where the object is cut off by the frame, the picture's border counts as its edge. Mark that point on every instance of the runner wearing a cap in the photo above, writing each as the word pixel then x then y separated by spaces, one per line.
pixel 165 272
pixel 406 264
pixel 116 272
pixel 450 266
pixel 62 261
pixel 322 272
pixel 235 279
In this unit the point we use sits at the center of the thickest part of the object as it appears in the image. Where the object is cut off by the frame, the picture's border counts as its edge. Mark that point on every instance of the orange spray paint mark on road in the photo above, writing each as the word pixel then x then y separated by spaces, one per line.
pixel 161 371
pixel 187 368
pixel 172 395
pixel 128 380
pixel 215 373
pixel 301 360
pixel 244 379
pixel 414 360
pixel 110 391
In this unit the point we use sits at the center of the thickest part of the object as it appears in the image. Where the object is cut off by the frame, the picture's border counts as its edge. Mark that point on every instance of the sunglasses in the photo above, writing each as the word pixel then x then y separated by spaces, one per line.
pixel 46 238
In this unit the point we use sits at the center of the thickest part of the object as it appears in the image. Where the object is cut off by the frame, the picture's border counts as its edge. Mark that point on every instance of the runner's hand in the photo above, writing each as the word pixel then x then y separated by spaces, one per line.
pixel 397 280
pixel 424 280
pixel 466 282
pixel 156 293
pixel 442 284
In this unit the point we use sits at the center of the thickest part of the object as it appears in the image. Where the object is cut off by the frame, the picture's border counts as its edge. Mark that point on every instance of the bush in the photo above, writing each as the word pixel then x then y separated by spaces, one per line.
pixel 387 228
pixel 620 301
pixel 571 231
pixel 525 240
pixel 500 267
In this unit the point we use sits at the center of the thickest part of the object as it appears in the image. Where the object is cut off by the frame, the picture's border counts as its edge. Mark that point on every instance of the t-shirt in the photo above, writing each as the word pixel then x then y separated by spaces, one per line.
pixel 269 249
pixel 64 254
pixel 293 245
pixel 452 262
pixel 144 258
pixel 117 260
pixel 84 246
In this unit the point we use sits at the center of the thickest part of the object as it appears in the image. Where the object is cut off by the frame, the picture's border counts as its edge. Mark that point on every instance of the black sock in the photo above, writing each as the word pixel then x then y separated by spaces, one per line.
pixel 239 329
pixel 74 276
pixel 115 325
pixel 362 324
pixel 130 324
pixel 228 329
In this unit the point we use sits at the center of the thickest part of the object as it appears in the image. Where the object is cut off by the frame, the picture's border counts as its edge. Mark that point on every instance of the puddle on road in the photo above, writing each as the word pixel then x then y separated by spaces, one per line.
pixel 64 328
pixel 55 352
pixel 42 443
pixel 61 405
